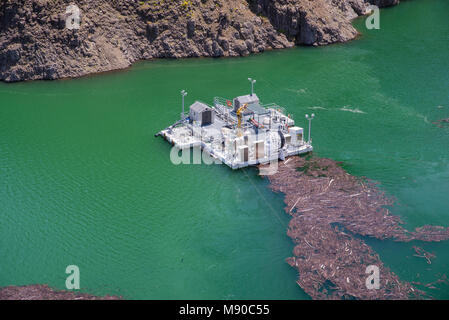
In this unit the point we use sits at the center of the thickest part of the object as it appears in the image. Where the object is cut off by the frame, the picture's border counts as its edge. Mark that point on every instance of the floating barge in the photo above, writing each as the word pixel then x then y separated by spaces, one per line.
pixel 239 133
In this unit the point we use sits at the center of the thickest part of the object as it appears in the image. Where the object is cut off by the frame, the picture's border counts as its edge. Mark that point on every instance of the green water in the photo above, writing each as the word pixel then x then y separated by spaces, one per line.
pixel 83 181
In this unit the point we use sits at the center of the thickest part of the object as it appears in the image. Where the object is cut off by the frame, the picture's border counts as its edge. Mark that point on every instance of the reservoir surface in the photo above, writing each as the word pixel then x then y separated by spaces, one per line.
pixel 84 182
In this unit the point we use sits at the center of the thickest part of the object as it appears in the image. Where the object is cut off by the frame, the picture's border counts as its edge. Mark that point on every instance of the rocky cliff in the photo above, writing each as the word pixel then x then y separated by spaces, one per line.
pixel 35 42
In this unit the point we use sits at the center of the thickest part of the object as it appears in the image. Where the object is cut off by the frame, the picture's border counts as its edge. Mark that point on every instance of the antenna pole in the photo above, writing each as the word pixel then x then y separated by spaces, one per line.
pixel 252 85
pixel 310 124
pixel 183 94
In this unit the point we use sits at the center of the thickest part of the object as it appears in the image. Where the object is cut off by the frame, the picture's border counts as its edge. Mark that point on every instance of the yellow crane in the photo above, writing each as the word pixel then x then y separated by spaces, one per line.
pixel 240 117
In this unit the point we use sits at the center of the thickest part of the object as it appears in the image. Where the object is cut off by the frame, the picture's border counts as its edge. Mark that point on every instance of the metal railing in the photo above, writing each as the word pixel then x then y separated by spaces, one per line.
pixel 221 105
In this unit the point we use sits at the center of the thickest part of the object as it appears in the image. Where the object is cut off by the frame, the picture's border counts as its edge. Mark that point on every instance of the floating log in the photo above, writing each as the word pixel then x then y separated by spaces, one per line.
pixel 332 207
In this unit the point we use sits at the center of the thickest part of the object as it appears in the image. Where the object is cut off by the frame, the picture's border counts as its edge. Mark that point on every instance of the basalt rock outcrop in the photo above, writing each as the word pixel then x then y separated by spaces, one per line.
pixel 35 42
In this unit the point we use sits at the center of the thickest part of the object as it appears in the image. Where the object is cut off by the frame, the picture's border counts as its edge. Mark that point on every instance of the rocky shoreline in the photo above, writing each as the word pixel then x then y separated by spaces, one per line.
pixel 44 292
pixel 113 34
pixel 331 213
